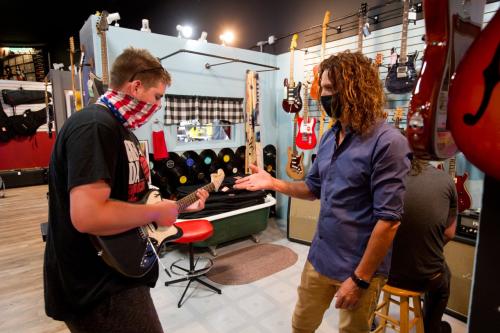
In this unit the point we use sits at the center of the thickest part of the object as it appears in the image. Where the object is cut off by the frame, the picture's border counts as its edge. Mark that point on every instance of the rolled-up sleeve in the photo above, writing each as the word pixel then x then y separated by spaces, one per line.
pixel 391 164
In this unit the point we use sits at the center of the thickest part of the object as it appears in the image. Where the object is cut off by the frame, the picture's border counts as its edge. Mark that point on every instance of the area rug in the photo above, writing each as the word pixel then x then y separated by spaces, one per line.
pixel 251 264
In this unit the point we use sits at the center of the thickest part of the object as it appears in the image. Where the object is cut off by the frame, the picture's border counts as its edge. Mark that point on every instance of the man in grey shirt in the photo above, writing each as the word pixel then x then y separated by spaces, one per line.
pixel 428 223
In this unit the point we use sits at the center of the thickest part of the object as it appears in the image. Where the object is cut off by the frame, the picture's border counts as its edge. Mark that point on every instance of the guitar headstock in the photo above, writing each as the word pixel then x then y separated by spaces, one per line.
pixel 102 22
pixel 217 179
pixel 326 19
pixel 293 44
pixel 379 59
pixel 72 45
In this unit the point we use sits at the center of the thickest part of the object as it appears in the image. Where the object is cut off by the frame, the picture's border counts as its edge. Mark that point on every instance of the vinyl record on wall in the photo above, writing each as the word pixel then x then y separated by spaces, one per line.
pixel 270 159
pixel 226 159
pixel 239 158
pixel 172 160
pixel 193 162
pixel 209 162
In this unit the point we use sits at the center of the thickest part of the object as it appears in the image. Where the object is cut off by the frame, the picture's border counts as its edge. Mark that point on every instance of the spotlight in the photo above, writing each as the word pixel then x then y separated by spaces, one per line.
pixel 145 25
pixel 113 17
pixel 203 37
pixel 375 19
pixel 227 37
pixel 412 15
pixel 271 39
pixel 339 29
pixel 184 31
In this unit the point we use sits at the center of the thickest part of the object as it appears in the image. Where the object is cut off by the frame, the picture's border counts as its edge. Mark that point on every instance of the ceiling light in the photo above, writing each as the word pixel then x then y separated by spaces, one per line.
pixel 185 31
pixel 227 37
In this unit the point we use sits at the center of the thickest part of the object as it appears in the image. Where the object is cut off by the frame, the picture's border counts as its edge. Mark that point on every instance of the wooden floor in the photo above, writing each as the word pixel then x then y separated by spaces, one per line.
pixel 21 261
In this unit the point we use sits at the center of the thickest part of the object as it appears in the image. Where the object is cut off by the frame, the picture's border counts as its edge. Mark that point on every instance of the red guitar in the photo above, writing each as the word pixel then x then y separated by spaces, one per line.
pixel 474 101
pixel 306 137
pixel 464 198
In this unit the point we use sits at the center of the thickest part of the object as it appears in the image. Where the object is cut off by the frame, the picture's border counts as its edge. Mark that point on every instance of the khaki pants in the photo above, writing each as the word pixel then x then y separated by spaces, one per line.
pixel 316 292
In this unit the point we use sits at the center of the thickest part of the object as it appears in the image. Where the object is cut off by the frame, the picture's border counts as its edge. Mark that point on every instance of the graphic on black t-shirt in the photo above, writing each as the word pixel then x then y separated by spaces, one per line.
pixel 138 171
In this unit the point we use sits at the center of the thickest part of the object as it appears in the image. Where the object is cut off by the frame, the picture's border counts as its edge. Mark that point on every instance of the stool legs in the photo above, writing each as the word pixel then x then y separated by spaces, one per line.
pixel 418 314
pixel 191 275
pixel 404 313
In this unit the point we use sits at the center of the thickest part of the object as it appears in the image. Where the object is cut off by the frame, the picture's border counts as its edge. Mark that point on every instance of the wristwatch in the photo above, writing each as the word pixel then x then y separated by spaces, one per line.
pixel 360 282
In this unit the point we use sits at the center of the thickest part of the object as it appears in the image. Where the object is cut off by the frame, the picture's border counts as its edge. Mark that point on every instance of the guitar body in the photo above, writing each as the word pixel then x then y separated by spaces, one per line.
pixel 96 87
pixel 474 101
pixel 292 103
pixel 295 165
pixel 306 137
pixel 464 199
pixel 130 252
pixel 401 78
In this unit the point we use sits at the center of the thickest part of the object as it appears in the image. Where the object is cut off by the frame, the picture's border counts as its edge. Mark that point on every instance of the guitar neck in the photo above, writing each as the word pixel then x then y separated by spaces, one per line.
pixel 404 32
pixel 360 33
pixel 452 167
pixel 292 58
pixel 104 57
pixel 189 199
pixel 294 133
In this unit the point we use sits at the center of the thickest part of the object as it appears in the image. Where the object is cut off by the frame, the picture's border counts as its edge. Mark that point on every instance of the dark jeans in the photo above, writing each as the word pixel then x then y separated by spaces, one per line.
pixel 129 311
pixel 437 292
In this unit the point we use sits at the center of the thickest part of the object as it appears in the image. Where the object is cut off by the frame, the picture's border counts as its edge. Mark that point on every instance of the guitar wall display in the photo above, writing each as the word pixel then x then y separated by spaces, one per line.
pixel 402 75
pixel 292 103
pixel 306 137
pixel 133 253
pixel 96 85
pixel 474 101
pixel 464 199
pixel 295 163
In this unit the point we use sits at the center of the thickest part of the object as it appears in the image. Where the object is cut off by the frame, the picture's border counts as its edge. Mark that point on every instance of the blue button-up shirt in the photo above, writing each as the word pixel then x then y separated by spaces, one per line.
pixel 358 182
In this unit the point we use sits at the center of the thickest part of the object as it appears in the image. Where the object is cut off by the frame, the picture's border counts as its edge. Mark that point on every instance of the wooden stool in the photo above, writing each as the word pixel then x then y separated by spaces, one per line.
pixel 404 324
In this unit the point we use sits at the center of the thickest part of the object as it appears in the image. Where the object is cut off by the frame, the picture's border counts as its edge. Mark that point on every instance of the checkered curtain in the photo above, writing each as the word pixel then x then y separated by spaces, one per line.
pixel 205 109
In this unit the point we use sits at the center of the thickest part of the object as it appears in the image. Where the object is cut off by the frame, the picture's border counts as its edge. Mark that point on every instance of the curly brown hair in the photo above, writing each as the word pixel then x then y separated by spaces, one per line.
pixel 360 91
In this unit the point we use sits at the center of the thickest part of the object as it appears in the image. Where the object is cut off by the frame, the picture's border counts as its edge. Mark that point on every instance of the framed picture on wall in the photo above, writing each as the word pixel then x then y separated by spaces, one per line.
pixel 145 151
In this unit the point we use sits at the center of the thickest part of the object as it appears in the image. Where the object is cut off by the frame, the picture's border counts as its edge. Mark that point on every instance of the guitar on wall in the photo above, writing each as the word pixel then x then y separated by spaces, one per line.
pixel 306 138
pixel 133 253
pixel 96 85
pixel 402 76
pixel 474 102
pixel 464 198
pixel 292 103
pixel 77 97
pixel 317 80
pixel 295 163
pixel 398 116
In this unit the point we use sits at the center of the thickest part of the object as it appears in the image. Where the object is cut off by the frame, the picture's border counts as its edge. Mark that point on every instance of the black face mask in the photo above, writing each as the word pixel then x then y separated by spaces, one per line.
pixel 331 105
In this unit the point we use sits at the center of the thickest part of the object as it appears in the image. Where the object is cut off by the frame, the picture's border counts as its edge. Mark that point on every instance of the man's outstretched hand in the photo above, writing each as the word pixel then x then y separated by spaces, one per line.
pixel 258 180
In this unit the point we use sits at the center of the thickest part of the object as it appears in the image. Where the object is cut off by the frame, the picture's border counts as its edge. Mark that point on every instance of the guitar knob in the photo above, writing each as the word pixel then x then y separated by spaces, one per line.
pixel 416 121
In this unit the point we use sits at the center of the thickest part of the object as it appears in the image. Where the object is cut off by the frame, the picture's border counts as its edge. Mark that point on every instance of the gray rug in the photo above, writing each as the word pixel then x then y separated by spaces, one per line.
pixel 251 264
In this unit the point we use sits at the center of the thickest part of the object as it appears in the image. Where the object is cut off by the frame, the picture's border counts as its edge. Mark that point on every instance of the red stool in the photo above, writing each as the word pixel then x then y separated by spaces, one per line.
pixel 193 231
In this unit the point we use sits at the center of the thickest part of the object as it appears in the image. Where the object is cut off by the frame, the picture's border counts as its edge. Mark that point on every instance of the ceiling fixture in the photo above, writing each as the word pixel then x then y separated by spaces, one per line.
pixel 113 17
pixel 227 37
pixel 185 31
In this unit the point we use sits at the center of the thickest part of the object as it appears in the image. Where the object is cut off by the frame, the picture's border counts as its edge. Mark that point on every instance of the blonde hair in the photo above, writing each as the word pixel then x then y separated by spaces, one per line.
pixel 360 91
pixel 138 64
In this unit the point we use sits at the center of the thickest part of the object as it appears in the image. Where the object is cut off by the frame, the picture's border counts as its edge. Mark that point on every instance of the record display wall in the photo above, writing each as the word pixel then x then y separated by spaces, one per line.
pixel 270 166
pixel 193 162
pixel 226 158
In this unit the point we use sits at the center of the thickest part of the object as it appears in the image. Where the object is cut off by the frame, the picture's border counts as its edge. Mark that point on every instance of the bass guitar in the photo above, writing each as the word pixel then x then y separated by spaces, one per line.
pixel 474 101
pixel 295 165
pixel 292 103
pixel 306 138
pixel 402 75
pixel 96 85
pixel 134 252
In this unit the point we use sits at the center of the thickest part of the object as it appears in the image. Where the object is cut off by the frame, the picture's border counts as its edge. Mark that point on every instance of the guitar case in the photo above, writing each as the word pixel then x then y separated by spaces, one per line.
pixel 23 96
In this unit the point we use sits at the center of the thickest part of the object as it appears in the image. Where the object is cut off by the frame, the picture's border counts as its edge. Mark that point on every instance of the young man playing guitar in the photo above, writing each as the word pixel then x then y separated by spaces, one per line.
pixel 97 171
pixel 359 177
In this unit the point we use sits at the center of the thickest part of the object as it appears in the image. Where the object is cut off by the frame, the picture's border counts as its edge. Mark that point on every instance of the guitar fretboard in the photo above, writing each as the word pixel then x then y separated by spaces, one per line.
pixel 104 57
pixel 404 32
pixel 189 199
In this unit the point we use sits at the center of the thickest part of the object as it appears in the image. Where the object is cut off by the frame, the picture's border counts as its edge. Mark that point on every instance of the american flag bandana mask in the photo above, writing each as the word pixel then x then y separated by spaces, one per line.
pixel 131 112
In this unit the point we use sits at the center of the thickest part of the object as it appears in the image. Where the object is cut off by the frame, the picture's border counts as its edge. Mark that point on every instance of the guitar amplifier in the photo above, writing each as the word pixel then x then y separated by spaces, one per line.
pixel 468 224
pixel 302 220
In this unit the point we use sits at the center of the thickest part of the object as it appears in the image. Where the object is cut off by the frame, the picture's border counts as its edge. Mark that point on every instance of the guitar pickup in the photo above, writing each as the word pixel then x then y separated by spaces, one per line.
pixel 402 72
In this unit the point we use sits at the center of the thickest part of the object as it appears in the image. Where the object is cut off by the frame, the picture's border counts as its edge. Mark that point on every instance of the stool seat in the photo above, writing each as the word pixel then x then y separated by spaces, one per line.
pixel 401 292
pixel 194 231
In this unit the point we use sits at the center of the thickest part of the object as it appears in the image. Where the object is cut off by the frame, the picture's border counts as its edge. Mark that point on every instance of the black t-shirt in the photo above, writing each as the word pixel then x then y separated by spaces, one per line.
pixel 417 253
pixel 91 146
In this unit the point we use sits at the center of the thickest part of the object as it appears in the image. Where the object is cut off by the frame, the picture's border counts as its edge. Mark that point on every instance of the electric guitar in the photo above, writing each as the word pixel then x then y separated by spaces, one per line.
pixel 295 165
pixel 464 198
pixel 77 100
pixel 428 132
pixel 402 76
pixel 398 116
pixel 133 253
pixel 306 138
pixel 317 80
pixel 474 101
pixel 292 102
pixel 96 85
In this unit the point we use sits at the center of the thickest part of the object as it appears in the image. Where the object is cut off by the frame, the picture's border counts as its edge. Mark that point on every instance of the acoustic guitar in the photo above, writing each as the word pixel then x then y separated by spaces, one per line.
pixel 292 103
pixel 474 101
pixel 96 85
pixel 306 137
pixel 134 252
pixel 402 75
pixel 295 163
